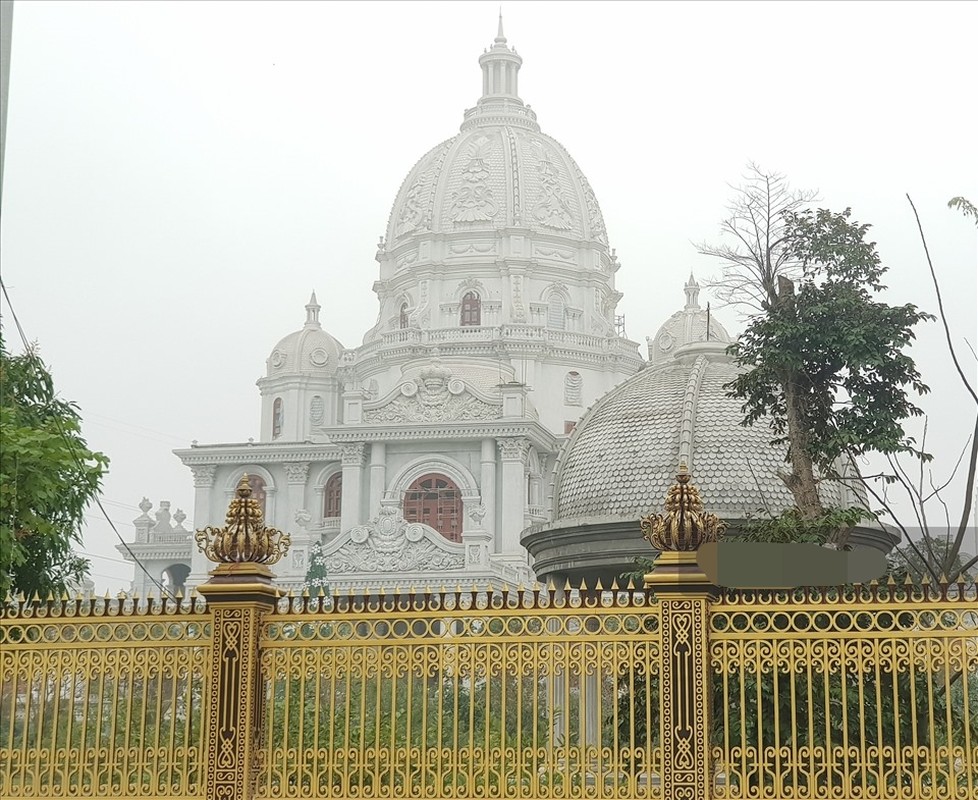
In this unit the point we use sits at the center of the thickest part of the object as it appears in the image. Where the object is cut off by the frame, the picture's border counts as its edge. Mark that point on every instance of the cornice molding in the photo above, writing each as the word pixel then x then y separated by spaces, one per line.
pixel 266 453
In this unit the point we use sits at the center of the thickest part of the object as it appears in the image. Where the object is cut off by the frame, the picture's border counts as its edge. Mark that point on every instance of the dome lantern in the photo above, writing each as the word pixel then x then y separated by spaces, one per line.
pixel 692 289
pixel 312 313
pixel 500 69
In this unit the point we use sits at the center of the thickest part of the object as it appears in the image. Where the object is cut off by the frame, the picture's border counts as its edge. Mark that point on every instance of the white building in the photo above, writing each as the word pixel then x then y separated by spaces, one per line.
pixel 422 455
pixel 496 329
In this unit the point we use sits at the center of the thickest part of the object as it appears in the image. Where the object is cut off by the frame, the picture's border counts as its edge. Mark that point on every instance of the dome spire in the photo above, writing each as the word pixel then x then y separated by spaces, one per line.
pixel 500 66
pixel 312 312
pixel 692 289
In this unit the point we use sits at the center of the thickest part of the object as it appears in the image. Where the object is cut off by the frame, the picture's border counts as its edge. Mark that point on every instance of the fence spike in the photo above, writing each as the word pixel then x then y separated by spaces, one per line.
pixel 614 584
pixel 631 584
pixel 567 585
pixel 597 585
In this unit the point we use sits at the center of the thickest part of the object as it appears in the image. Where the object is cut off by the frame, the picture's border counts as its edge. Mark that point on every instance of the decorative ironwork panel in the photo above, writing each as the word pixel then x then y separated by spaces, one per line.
pixel 493 694
pixel 103 698
pixel 684 693
pixel 864 692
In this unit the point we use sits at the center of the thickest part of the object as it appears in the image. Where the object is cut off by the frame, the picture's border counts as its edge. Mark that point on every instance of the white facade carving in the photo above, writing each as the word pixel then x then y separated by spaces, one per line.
pixel 417 454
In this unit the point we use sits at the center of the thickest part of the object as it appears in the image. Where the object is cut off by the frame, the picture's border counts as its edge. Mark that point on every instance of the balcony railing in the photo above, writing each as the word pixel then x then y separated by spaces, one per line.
pixel 510 333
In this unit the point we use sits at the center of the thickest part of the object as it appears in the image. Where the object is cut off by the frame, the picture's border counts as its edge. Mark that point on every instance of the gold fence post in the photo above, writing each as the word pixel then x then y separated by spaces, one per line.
pixel 684 594
pixel 239 592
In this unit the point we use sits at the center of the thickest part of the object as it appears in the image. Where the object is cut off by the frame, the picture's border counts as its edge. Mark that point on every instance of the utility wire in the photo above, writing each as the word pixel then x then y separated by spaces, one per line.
pixel 32 357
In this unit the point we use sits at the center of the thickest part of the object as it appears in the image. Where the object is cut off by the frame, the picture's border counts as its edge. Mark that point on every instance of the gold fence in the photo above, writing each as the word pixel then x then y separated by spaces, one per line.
pixel 462 695
pixel 103 698
pixel 866 692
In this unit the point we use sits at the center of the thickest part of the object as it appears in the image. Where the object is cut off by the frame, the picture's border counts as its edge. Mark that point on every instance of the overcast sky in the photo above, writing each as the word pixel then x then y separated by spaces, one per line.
pixel 180 176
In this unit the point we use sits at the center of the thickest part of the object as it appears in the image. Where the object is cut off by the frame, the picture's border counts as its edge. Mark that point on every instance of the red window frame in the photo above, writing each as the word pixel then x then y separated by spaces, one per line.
pixel 471 309
pixel 333 496
pixel 437 502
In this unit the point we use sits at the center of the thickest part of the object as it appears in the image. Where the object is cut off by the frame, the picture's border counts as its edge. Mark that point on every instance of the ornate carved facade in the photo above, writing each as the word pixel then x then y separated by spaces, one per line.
pixel 494 250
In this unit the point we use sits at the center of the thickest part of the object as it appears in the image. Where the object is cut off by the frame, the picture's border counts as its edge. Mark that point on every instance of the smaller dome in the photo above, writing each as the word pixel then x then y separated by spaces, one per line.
pixel 310 349
pixel 691 324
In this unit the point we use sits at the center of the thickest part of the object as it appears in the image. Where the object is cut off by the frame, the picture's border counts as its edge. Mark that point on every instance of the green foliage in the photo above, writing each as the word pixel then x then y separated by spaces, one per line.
pixel 965 207
pixel 48 476
pixel 791 526
pixel 903 562
pixel 437 712
pixel 837 347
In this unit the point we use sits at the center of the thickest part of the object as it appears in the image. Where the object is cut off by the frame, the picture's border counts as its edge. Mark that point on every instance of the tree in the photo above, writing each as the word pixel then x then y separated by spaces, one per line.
pixel 937 553
pixel 760 256
pixel 316 578
pixel 48 476
pixel 826 361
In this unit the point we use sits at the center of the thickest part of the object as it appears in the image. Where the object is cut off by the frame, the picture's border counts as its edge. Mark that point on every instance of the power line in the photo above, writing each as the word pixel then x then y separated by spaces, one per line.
pixel 32 358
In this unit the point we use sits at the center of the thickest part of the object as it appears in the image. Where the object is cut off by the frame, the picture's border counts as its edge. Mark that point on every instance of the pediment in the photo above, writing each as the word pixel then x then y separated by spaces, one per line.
pixel 434 395
pixel 389 543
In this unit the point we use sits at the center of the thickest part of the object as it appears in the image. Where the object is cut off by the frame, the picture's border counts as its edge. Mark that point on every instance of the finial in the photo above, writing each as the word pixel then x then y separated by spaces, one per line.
pixel 684 526
pixel 692 289
pixel 312 311
pixel 500 38
pixel 244 537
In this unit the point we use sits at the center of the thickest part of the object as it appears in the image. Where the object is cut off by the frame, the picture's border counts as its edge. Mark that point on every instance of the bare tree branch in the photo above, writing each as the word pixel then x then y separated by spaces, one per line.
pixel 749 270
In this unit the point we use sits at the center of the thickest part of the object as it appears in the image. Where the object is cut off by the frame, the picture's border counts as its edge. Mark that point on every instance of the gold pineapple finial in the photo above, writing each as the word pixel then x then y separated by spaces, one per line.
pixel 684 525
pixel 244 537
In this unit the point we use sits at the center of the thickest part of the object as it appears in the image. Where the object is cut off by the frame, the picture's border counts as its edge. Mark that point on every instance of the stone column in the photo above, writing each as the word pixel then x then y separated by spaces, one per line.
pixel 352 457
pixel 378 477
pixel 476 538
pixel 203 484
pixel 684 595
pixel 296 475
pixel 512 451
pixel 487 483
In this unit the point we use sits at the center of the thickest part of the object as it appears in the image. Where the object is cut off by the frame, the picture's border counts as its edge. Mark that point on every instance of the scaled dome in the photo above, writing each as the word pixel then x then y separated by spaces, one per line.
pixel 310 349
pixel 624 453
pixel 498 172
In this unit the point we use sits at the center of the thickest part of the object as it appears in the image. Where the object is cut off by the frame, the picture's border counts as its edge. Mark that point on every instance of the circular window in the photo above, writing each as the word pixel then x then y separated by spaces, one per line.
pixel 319 357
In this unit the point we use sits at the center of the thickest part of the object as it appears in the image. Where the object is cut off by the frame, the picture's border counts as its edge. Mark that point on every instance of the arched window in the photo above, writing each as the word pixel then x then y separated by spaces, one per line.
pixel 437 502
pixel 277 418
pixel 471 309
pixel 556 316
pixel 333 496
pixel 403 318
pixel 257 484
pixel 175 577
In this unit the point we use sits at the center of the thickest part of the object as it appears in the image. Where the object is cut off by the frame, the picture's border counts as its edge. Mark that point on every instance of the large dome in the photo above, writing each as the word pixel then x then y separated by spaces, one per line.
pixel 498 172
